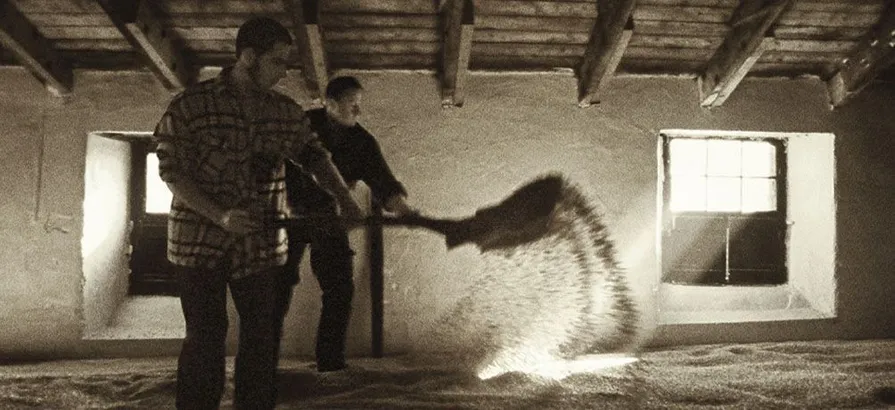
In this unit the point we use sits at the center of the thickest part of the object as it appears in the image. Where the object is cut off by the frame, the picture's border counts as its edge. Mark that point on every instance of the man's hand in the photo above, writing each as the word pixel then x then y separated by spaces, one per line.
pixel 397 204
pixel 238 221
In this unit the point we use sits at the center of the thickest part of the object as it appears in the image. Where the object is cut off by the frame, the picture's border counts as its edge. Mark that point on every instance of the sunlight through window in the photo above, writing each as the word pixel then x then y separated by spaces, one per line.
pixel 158 196
pixel 542 364
pixel 722 175
pixel 727 209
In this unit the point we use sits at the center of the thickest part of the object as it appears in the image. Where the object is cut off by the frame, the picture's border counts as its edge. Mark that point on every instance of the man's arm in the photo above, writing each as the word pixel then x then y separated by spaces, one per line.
pixel 319 161
pixel 397 204
pixel 172 149
pixel 379 177
pixel 309 151
pixel 233 220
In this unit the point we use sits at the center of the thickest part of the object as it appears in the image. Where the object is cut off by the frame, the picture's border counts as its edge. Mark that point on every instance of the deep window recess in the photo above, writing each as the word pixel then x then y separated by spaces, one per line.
pixel 725 211
pixel 151 273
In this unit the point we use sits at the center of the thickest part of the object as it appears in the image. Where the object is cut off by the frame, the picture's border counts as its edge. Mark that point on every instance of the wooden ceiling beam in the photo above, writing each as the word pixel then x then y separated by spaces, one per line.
pixel 33 51
pixel 608 40
pixel 140 24
pixel 865 62
pixel 742 47
pixel 459 19
pixel 305 16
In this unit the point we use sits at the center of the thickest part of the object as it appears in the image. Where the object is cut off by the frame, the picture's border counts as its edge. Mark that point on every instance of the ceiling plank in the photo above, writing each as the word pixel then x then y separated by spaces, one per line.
pixel 384 47
pixel 309 45
pixel 382 34
pixel 458 18
pixel 741 48
pixel 383 61
pixel 681 13
pixel 538 24
pixel 535 8
pixel 33 51
pixel 356 20
pixel 608 40
pixel 381 6
pixel 140 24
pixel 865 62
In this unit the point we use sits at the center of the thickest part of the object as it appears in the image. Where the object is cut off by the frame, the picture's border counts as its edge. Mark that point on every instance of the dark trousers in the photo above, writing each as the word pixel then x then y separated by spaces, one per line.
pixel 333 266
pixel 200 368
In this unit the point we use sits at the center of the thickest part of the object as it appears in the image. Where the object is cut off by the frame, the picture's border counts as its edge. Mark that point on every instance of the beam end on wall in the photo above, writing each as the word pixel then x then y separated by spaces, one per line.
pixel 141 25
pixel 741 48
pixel 459 19
pixel 305 15
pixel 609 38
pixel 34 51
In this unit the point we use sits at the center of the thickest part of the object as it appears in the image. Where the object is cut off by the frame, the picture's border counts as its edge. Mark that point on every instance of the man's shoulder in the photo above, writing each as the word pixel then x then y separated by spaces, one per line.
pixel 196 90
pixel 317 116
pixel 206 85
pixel 287 103
pixel 362 132
pixel 281 98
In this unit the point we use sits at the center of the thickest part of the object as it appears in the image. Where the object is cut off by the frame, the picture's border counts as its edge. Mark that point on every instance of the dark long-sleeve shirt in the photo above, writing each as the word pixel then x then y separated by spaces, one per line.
pixel 356 154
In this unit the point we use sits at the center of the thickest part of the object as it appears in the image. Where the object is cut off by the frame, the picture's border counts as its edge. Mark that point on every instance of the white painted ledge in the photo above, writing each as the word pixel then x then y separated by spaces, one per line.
pixel 143 318
pixel 682 304
pixel 738 316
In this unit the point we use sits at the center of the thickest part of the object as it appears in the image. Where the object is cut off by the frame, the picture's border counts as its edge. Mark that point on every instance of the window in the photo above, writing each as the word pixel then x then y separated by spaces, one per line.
pixel 151 273
pixel 158 196
pixel 724 211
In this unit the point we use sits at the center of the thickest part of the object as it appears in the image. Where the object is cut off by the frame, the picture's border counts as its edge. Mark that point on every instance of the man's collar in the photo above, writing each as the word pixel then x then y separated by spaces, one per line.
pixel 224 82
pixel 335 124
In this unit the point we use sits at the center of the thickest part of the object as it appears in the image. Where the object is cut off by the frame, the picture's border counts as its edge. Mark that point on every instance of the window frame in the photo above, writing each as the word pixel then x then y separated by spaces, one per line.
pixel 777 216
pixel 149 234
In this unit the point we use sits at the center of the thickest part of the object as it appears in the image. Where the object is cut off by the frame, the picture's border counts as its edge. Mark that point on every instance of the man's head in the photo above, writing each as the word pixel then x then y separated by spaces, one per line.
pixel 343 96
pixel 263 46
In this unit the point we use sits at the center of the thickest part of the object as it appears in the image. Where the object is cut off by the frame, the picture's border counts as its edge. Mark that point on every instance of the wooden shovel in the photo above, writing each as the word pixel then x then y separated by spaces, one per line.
pixel 520 218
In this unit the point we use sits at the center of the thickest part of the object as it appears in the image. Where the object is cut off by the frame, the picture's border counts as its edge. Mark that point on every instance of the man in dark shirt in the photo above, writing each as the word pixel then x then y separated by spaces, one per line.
pixel 358 157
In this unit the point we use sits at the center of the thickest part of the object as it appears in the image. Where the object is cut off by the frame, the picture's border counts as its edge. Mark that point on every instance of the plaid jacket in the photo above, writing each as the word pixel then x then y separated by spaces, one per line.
pixel 234 156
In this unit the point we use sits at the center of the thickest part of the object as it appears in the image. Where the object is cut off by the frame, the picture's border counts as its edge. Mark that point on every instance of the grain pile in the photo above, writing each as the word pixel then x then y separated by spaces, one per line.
pixel 553 288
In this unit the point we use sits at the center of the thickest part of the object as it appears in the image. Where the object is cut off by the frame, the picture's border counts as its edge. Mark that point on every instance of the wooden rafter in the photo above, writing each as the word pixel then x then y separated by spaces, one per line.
pixel 139 23
pixel 608 40
pixel 33 51
pixel 305 16
pixel 742 47
pixel 459 19
pixel 874 55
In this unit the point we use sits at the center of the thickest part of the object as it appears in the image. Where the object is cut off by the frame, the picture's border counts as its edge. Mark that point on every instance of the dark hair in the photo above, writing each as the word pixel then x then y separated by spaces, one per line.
pixel 261 34
pixel 340 86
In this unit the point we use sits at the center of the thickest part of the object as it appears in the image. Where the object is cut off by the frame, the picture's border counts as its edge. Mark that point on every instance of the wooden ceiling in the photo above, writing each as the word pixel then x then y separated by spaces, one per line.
pixel 847 43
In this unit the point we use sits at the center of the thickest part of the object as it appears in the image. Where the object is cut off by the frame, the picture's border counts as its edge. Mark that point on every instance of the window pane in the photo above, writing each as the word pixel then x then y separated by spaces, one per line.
pixel 724 158
pixel 687 156
pixel 723 194
pixel 757 251
pixel 688 193
pixel 759 159
pixel 756 243
pixel 158 196
pixel 759 194
pixel 694 250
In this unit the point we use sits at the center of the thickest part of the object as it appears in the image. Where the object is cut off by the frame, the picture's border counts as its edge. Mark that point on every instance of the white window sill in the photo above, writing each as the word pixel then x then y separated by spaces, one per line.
pixel 738 316
pixel 682 304
pixel 144 317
